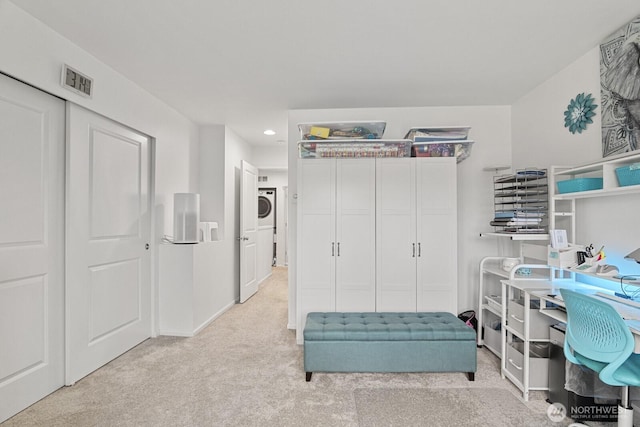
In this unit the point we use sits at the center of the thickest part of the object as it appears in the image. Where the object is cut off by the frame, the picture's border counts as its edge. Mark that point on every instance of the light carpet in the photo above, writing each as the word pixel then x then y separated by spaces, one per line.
pixel 245 369
pixel 444 407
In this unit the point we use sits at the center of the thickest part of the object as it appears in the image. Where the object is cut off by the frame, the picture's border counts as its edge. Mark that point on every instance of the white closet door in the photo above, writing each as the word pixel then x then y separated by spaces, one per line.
pixel 108 290
pixel 31 245
pixel 437 234
pixel 396 245
pixel 355 235
pixel 316 238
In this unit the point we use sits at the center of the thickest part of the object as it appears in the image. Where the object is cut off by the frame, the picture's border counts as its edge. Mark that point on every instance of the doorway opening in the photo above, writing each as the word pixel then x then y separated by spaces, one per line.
pixel 267 221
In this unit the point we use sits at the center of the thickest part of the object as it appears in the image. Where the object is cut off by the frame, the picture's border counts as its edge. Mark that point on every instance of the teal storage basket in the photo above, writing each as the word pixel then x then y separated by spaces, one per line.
pixel 579 184
pixel 628 175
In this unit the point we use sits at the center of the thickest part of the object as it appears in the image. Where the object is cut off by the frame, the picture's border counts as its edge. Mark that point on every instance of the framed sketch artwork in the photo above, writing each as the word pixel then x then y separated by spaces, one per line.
pixel 620 90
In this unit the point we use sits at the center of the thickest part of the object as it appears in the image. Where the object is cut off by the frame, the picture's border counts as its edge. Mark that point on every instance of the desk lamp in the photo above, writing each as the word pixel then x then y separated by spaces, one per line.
pixel 634 256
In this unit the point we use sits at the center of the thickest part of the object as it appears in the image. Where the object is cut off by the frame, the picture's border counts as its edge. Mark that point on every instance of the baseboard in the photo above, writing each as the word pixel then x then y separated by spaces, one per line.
pixel 187 334
pixel 265 278
pixel 175 333
pixel 214 317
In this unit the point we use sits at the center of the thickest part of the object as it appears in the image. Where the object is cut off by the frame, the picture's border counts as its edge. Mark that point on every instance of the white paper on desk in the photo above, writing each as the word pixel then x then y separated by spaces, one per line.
pixel 559 239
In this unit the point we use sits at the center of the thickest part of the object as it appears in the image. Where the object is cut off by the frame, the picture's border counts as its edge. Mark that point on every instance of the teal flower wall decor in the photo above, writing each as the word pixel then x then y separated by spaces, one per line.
pixel 579 113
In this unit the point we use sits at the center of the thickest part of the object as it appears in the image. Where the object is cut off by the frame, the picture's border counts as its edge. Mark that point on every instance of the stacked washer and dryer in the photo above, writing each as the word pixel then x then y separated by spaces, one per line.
pixel 267 215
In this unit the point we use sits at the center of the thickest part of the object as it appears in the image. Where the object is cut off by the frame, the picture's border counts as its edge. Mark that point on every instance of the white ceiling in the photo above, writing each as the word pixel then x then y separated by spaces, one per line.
pixel 244 63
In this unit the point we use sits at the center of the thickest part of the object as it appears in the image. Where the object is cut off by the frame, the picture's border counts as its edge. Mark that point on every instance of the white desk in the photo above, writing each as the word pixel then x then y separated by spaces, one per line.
pixel 528 324
pixel 630 313
pixel 529 328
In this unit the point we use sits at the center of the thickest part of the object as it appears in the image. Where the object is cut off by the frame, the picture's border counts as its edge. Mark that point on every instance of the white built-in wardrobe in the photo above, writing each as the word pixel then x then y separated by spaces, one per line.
pixel 376 235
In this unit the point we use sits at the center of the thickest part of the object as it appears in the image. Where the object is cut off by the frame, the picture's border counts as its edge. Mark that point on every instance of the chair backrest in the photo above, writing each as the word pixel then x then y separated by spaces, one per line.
pixel 596 330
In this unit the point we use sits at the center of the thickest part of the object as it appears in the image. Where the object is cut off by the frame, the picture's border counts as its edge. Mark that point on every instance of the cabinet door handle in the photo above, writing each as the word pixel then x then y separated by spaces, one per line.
pixel 517 319
pixel 519 368
pixel 413 253
pixel 419 250
pixel 338 248
pixel 333 249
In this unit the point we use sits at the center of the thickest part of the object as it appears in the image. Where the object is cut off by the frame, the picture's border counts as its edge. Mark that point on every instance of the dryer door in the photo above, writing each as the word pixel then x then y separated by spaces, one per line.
pixel 264 207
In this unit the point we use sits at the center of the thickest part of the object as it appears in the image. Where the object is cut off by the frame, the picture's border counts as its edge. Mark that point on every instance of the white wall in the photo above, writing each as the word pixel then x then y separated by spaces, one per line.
pixel 540 139
pixel 539 136
pixel 33 53
pixel 491 129
pixel 211 161
pixel 270 157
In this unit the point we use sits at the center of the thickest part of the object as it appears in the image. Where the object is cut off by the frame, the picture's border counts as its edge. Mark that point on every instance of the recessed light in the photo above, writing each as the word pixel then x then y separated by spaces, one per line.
pixel 269 132
pixel 281 141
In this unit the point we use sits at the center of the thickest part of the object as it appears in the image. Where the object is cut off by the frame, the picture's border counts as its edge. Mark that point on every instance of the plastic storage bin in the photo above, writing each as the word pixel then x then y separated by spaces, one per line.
pixel 563 258
pixel 352 149
pixel 460 149
pixel 494 301
pixel 446 133
pixel 492 335
pixel 538 363
pixel 628 175
pixel 342 130
pixel 579 184
pixel 538 323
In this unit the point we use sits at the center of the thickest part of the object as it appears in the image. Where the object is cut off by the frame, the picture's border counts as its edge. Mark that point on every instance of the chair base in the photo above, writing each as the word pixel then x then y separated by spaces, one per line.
pixel 625 417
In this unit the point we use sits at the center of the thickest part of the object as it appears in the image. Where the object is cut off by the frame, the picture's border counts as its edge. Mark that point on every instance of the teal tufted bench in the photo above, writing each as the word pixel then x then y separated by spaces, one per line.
pixel 388 342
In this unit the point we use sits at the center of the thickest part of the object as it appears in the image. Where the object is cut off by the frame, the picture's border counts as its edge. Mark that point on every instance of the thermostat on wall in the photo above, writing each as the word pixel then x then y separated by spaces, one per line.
pixel 77 82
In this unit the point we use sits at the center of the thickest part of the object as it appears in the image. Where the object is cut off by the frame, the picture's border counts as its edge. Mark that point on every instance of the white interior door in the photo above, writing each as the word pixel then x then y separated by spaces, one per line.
pixel 108 229
pixel 248 231
pixel 31 245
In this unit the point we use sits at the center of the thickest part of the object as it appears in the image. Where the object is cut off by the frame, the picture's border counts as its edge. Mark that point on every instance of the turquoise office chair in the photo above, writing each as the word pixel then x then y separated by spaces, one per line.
pixel 598 338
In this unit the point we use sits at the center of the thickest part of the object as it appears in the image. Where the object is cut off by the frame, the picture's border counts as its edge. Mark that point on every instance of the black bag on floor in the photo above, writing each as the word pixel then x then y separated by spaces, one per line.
pixel 469 317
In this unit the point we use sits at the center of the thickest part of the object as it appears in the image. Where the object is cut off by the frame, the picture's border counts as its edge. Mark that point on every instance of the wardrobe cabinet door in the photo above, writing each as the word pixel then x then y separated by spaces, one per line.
pixel 437 234
pixel 316 237
pixel 355 235
pixel 396 249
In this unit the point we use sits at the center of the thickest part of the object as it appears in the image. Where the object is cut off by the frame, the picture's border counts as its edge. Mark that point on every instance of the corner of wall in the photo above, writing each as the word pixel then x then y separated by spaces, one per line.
pixel 539 137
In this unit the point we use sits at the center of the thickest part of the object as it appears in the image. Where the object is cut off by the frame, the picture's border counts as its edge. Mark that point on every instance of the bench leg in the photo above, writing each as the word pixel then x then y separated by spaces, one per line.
pixel 309 376
pixel 472 376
